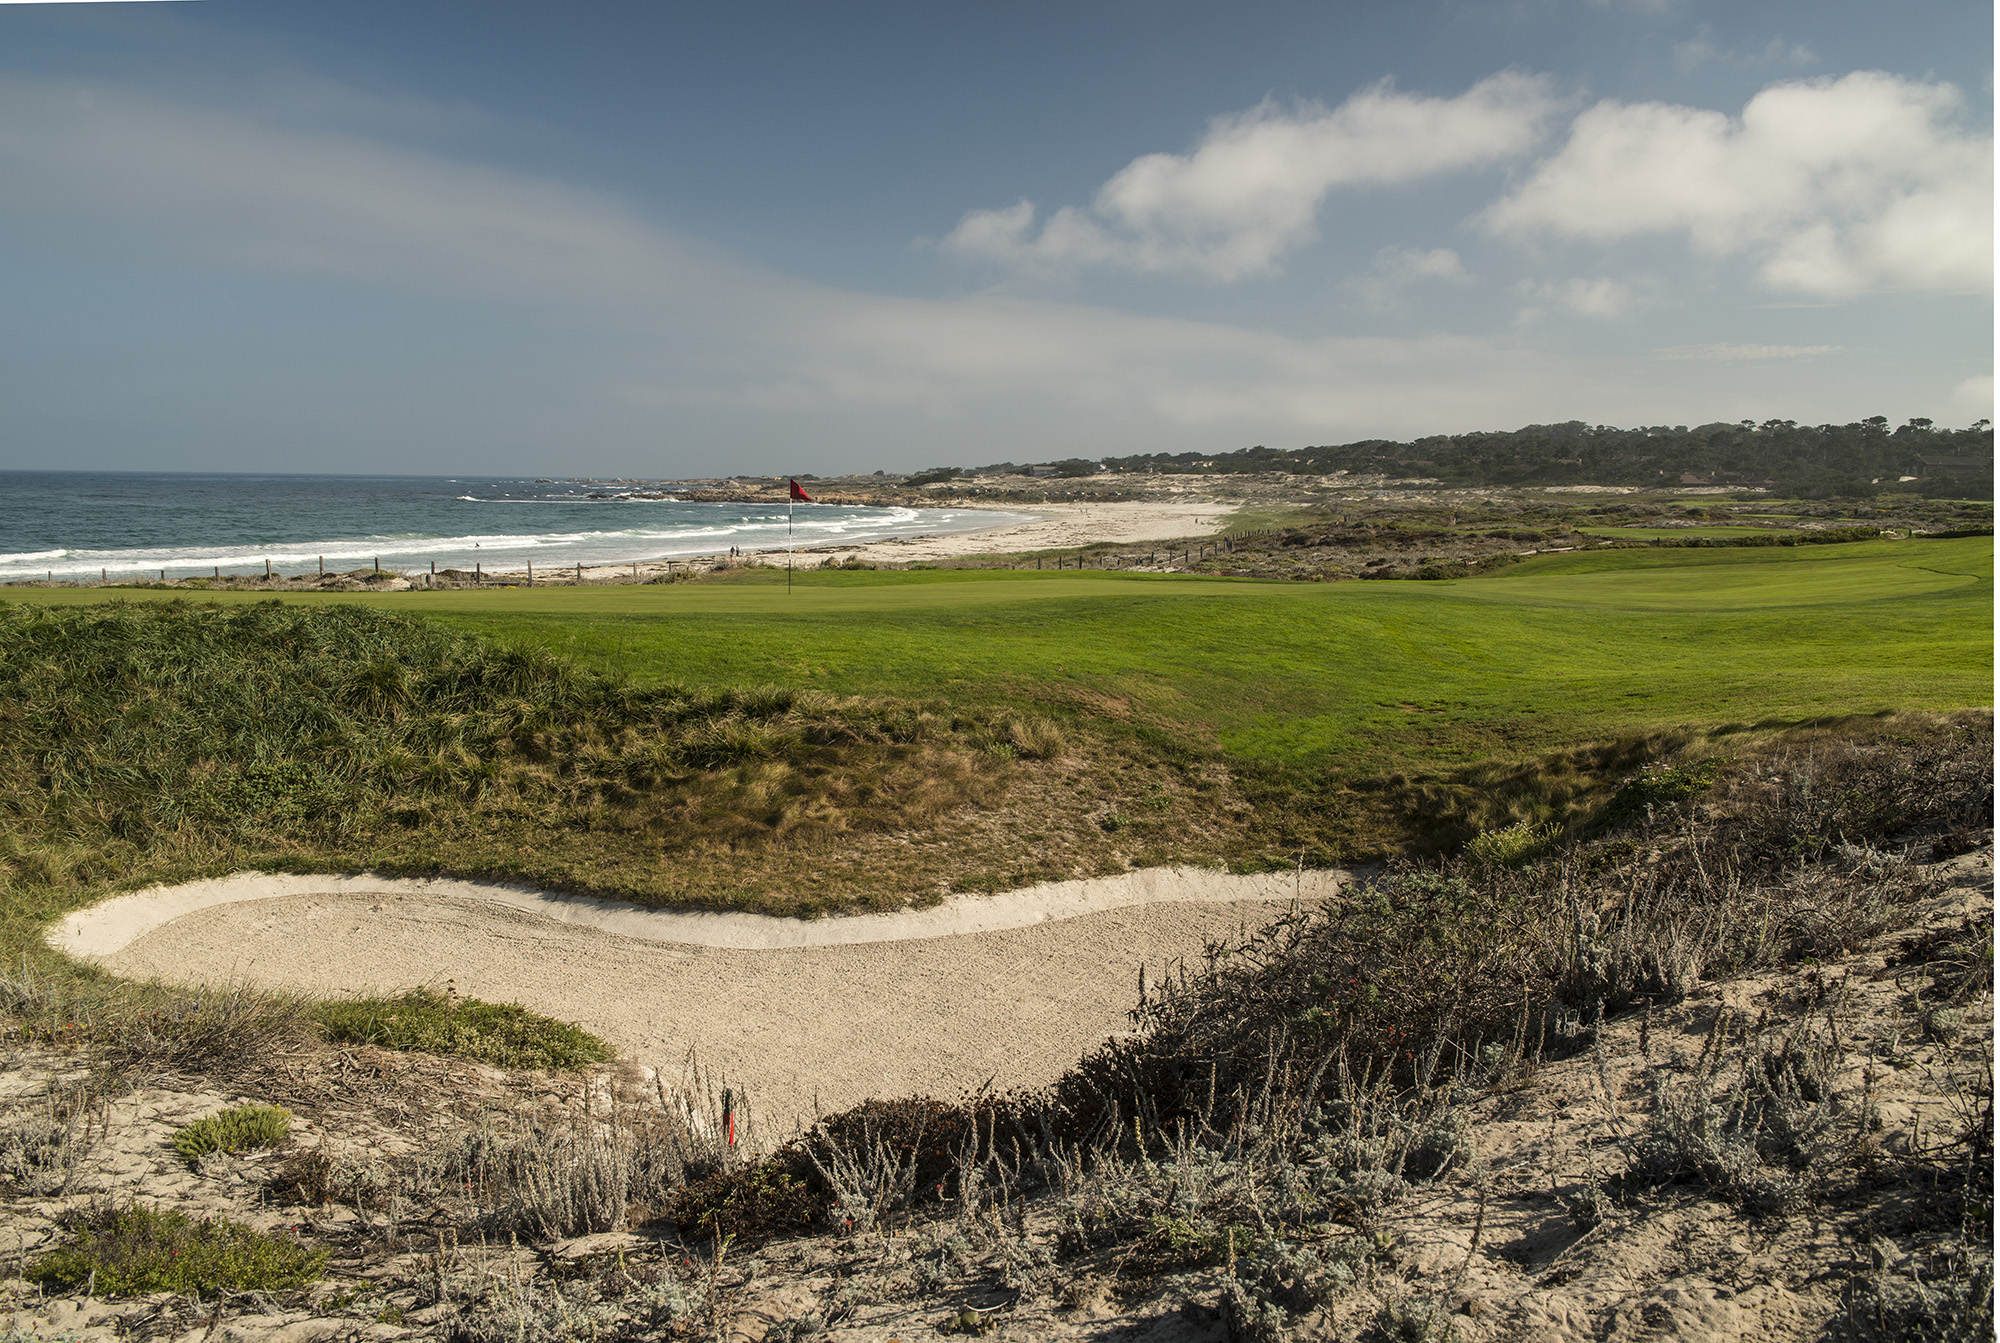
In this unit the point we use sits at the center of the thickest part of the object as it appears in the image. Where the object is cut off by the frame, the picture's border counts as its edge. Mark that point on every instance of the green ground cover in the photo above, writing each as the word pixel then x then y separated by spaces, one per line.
pixel 1677 533
pixel 1371 676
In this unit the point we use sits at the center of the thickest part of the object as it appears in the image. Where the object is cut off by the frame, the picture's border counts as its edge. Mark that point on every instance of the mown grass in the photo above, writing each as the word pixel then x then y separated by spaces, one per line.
pixel 1556 650
pixel 1678 533
pixel 1248 722
pixel 1356 719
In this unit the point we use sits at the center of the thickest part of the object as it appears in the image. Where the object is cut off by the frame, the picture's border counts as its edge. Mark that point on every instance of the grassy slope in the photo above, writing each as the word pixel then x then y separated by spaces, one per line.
pixel 1352 680
pixel 1556 649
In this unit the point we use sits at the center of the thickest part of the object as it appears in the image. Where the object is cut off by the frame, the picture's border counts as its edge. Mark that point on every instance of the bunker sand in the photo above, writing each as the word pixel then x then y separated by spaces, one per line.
pixel 801 1028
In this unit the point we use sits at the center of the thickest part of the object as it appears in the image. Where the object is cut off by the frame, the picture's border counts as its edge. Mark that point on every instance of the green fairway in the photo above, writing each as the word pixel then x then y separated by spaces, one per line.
pixel 1362 676
pixel 1678 533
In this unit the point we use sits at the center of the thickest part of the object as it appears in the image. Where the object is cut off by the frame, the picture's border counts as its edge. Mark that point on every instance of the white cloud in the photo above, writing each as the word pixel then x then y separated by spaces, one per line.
pixel 1251 190
pixel 628 342
pixel 79 162
pixel 1973 398
pixel 1837 186
pixel 1727 352
pixel 145 182
pixel 1602 299
pixel 1396 269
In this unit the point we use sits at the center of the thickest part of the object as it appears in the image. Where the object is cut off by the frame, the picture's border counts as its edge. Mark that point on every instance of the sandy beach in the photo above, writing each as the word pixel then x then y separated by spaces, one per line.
pixel 1061 525
pixel 1051 527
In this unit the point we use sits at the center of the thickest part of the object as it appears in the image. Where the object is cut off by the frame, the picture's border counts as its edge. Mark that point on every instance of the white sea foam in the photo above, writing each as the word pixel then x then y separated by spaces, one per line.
pixel 712 530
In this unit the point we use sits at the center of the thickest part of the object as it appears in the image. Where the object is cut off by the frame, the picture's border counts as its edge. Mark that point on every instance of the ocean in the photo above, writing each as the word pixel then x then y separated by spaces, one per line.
pixel 77 524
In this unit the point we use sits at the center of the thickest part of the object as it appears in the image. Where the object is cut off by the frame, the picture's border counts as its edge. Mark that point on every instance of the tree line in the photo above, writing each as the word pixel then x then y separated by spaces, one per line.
pixel 1804 461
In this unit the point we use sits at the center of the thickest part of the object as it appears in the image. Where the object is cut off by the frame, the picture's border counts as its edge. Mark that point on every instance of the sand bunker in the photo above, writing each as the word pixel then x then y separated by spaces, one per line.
pixel 801 1014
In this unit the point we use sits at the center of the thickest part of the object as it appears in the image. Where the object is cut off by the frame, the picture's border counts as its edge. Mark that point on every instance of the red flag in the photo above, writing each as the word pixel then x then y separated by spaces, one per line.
pixel 799 493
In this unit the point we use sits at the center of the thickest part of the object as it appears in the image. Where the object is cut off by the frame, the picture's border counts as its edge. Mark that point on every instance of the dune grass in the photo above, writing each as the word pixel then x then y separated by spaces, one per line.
pixel 1371 678
pixel 926 729
pixel 1554 651
pixel 149 741
pixel 601 739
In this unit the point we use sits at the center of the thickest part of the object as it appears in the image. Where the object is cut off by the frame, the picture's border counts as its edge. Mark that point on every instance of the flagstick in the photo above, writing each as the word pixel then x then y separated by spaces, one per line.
pixel 788 543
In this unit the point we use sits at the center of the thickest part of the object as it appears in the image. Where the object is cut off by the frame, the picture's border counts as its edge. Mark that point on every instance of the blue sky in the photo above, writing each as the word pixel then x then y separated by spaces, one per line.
pixel 663 240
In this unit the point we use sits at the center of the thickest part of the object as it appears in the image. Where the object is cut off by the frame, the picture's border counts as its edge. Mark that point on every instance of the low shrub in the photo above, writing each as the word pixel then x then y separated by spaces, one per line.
pixel 1415 1319
pixel 133 1250
pixel 425 1021
pixel 45 1142
pixel 1659 785
pixel 1469 956
pixel 542 1179
pixel 322 1175
pixel 1510 846
pixel 1955 1306
pixel 243 1129
pixel 203 1031
pixel 748 1203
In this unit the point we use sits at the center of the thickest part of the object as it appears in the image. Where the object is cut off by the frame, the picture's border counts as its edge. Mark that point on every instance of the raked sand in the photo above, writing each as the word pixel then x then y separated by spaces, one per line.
pixel 800 1014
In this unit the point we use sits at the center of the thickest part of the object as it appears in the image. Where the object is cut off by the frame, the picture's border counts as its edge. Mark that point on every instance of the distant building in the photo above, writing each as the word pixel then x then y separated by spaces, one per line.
pixel 1932 465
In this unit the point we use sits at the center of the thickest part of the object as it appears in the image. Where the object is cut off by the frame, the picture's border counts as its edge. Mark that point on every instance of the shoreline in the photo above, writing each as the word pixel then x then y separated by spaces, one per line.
pixel 1046 527
pixel 1036 527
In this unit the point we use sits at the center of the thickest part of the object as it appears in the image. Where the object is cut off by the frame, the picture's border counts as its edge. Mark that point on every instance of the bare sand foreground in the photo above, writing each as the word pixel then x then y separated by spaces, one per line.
pixel 801 1015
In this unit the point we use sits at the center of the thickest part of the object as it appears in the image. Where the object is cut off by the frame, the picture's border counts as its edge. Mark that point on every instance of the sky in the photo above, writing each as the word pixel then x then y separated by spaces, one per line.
pixel 666 240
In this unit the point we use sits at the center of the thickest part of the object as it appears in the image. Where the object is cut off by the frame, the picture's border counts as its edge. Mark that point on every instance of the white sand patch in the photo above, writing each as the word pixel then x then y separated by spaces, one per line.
pixel 802 1014
pixel 107 928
